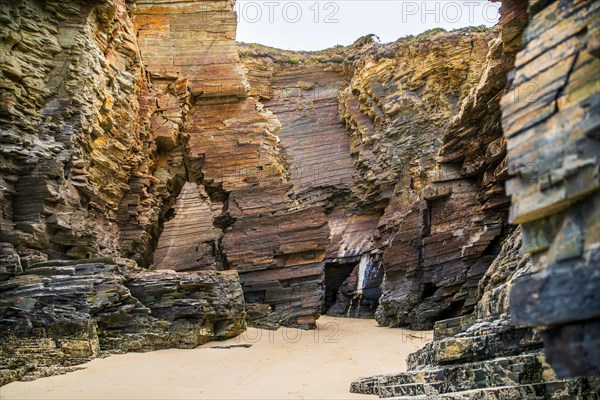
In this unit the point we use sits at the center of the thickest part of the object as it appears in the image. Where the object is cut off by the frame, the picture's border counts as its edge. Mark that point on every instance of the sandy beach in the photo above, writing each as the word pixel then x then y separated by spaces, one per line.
pixel 283 364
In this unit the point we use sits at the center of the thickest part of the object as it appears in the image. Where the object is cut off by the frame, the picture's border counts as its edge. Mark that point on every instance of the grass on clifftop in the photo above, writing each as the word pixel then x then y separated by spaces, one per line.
pixel 347 54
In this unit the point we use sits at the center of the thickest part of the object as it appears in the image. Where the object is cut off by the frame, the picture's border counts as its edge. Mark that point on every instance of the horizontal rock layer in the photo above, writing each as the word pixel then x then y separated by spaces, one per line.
pixel 483 355
pixel 60 314
pixel 387 207
pixel 551 123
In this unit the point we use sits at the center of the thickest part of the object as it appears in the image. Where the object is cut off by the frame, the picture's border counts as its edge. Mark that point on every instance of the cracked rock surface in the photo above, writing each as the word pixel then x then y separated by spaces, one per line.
pixel 60 314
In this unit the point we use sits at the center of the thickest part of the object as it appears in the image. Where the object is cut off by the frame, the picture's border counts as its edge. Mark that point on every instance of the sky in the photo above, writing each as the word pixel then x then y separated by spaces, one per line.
pixel 316 25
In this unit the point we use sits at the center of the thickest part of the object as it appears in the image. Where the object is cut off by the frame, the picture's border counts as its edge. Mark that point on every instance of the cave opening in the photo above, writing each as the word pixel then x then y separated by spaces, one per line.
pixel 335 275
pixel 429 289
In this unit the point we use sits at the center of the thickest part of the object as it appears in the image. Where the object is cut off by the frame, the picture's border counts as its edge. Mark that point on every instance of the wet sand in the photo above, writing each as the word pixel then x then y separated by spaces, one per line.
pixel 283 364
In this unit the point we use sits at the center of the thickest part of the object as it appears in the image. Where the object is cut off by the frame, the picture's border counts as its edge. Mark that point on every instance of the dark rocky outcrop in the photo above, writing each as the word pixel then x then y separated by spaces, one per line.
pixel 60 314
pixel 483 355
pixel 550 273
pixel 551 122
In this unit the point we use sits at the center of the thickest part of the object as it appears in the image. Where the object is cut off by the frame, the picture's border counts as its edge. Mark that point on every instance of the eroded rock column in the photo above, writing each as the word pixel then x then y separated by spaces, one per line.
pixel 408 110
pixel 304 97
pixel 71 135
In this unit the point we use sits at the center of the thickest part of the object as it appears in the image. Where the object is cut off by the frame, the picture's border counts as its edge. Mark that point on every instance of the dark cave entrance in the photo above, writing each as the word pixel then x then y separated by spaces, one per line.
pixel 335 275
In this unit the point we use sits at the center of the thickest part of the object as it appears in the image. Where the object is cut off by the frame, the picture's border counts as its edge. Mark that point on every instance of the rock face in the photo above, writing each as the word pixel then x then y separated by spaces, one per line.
pixel 230 149
pixel 60 314
pixel 403 187
pixel 438 135
pixel 364 181
pixel 91 164
pixel 483 355
pixel 189 239
pixel 551 122
pixel 107 130
pixel 70 126
pixel 302 90
pixel 141 133
pixel 547 278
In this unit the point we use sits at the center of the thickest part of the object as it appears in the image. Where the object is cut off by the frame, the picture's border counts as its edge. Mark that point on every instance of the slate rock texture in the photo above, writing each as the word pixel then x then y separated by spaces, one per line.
pixel 365 180
pixel 551 123
pixel 189 238
pixel 140 132
pixel 447 209
pixel 229 147
pixel 69 125
pixel 534 330
pixel 483 355
pixel 302 90
pixel 111 112
pixel 408 181
pixel 60 314
pixel 83 174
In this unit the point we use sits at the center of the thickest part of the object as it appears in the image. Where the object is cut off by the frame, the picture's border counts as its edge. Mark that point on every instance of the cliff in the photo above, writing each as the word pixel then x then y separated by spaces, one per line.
pixel 409 181
pixel 364 181
pixel 536 319
pixel 148 137
pixel 72 126
pixel 551 122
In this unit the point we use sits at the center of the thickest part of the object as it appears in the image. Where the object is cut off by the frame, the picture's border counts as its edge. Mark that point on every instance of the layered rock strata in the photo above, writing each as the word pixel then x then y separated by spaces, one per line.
pixel 302 90
pixel 549 273
pixel 551 123
pixel 70 128
pixel 145 139
pixel 194 168
pixel 430 223
pixel 325 179
pixel 483 355
pixel 59 314
pixel 230 148
pixel 424 141
pixel 189 240
pixel 124 111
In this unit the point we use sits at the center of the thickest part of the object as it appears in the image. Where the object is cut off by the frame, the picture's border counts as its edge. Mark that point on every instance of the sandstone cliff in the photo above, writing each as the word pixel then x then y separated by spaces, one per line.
pixel 550 274
pixel 72 126
pixel 146 136
pixel 410 184
pixel 365 180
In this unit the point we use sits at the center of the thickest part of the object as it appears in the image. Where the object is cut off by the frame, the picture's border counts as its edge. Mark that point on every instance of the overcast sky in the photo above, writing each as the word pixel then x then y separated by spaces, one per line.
pixel 315 25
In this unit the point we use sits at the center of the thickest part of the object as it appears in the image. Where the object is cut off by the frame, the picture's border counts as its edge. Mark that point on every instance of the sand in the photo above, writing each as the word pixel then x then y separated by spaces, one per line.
pixel 283 364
